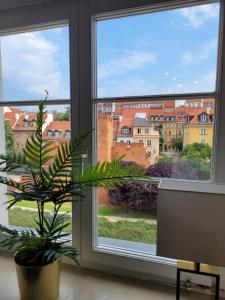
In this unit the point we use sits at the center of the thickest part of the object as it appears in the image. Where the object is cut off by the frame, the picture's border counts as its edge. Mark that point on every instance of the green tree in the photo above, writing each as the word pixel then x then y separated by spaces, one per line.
pixel 62 116
pixel 159 128
pixel 9 138
pixel 178 143
pixel 197 150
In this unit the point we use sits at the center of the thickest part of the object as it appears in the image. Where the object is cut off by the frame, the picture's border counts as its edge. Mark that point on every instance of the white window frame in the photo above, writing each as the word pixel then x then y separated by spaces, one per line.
pixel 107 14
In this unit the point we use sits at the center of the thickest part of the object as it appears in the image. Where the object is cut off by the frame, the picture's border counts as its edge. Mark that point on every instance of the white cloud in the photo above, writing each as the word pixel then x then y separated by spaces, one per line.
pixel 186 58
pixel 198 15
pixel 204 53
pixel 29 61
pixel 130 60
pixel 126 88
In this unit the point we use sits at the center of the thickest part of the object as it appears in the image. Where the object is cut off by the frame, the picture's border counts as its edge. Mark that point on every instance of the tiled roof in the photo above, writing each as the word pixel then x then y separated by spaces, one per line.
pixel 11 118
pixel 59 125
pixel 25 121
pixel 15 110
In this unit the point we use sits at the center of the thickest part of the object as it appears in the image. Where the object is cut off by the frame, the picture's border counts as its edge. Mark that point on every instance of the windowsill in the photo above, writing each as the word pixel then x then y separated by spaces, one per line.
pixel 135 250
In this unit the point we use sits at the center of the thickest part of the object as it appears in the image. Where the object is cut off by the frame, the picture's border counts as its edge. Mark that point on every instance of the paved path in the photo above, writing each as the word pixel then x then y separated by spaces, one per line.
pixel 113 219
pixel 116 219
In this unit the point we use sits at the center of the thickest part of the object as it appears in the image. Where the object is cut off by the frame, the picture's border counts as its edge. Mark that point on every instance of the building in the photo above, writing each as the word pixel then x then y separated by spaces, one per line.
pixel 199 128
pixel 145 133
pixel 25 126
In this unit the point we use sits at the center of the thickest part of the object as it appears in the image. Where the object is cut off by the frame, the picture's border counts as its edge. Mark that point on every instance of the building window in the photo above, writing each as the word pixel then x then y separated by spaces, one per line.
pixel 149 142
pixel 203 118
pixel 203 131
pixel 68 134
pixel 139 130
pixel 146 130
pixel 140 141
pixel 125 130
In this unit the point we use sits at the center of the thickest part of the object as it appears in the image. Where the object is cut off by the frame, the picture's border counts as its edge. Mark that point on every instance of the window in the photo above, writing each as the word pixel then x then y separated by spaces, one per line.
pixel 139 130
pixel 15 139
pixel 125 130
pixel 139 56
pixel 149 143
pixel 203 118
pixel 32 61
pixel 158 163
pixel 156 68
pixel 125 68
pixel 68 134
pixel 146 130
pixel 203 142
pixel 203 131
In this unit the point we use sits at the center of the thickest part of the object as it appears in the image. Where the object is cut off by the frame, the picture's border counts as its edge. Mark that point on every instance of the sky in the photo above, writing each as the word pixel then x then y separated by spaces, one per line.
pixel 174 51
pixel 35 61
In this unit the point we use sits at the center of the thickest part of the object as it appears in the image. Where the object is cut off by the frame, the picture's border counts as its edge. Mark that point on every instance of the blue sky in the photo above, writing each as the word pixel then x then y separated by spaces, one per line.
pixel 156 53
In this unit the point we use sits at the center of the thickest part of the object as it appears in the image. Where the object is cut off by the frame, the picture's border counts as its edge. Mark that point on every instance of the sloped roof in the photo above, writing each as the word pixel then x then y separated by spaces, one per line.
pixel 59 125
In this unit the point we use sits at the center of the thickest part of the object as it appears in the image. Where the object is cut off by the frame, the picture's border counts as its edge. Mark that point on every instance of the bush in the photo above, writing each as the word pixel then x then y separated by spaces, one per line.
pixel 197 150
pixel 136 195
pixel 180 169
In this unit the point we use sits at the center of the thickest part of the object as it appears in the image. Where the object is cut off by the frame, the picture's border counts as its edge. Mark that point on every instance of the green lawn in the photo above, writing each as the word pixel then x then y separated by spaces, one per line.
pixel 138 231
pixel 19 217
pixel 49 206
pixel 102 211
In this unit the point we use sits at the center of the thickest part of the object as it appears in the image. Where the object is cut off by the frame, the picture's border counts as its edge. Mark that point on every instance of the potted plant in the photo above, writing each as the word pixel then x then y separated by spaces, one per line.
pixel 56 180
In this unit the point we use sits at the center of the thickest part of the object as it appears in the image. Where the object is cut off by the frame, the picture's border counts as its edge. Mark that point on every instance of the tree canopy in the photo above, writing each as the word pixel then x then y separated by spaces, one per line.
pixel 197 150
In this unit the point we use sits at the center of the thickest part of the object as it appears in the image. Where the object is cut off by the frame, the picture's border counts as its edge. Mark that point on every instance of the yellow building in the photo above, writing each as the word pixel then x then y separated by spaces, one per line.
pixel 199 129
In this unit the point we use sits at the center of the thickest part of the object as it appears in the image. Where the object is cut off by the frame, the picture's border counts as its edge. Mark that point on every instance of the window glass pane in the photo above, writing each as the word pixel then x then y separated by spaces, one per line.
pixel 169 52
pixel 168 139
pixel 35 61
pixel 19 124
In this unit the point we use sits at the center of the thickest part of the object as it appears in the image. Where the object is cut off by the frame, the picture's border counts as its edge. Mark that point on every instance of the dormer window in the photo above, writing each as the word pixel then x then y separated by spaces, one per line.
pixel 54 133
pixel 50 133
pixel 57 133
pixel 125 130
pixel 68 134
pixel 203 118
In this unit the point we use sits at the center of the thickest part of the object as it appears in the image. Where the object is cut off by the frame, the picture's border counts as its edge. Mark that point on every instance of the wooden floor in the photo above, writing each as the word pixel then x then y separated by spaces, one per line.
pixel 92 285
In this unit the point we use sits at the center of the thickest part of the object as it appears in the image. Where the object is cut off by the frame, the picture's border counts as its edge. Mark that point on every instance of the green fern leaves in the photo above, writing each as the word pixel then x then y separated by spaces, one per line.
pixel 57 179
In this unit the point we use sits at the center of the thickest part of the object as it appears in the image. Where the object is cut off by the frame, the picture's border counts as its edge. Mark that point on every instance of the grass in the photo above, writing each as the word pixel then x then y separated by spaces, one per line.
pixel 22 218
pixel 138 231
pixel 102 211
pixel 120 212
pixel 49 206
